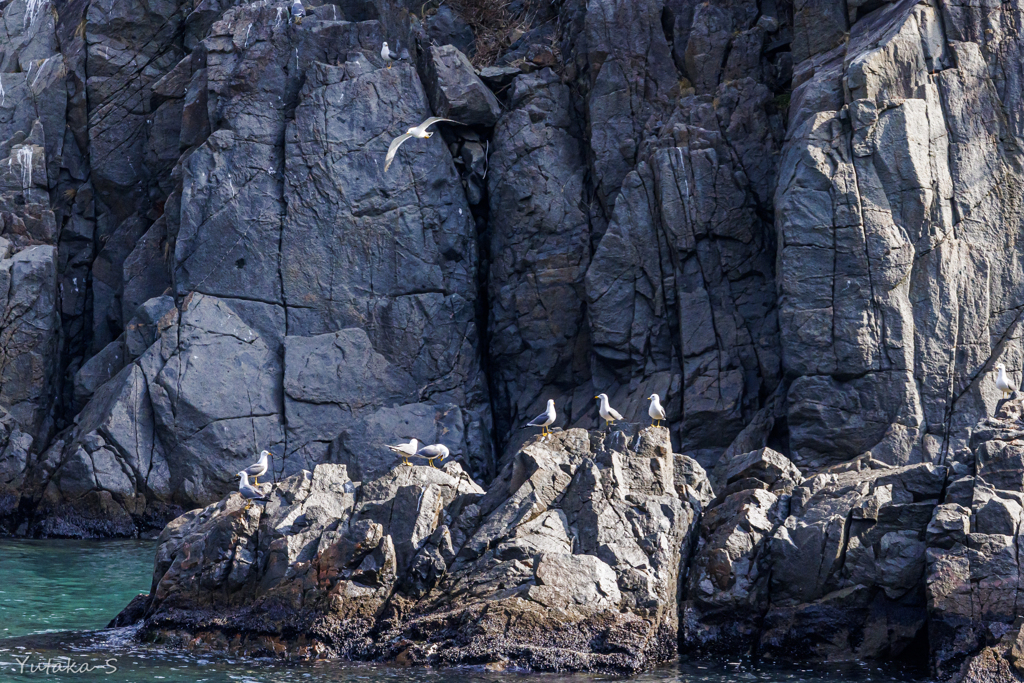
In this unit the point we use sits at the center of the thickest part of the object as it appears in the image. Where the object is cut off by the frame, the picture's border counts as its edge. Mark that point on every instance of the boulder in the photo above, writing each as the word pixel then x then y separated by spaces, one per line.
pixel 455 90
pixel 569 560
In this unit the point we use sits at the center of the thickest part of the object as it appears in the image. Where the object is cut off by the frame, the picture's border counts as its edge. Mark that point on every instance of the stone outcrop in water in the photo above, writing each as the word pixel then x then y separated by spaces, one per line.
pixel 570 559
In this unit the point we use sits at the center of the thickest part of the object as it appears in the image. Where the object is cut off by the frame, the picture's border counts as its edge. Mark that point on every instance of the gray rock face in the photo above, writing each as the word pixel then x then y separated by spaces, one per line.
pixel 826 568
pixel 29 330
pixel 539 252
pixel 577 542
pixel 866 318
pixel 972 566
pixel 455 91
pixel 795 222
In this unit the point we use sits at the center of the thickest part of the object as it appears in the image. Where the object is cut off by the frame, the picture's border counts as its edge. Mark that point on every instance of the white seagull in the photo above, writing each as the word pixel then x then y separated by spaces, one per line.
pixel 433 452
pixel 655 410
pixel 248 491
pixel 406 449
pixel 608 414
pixel 258 468
pixel 1003 382
pixel 419 131
pixel 297 11
pixel 387 54
pixel 545 419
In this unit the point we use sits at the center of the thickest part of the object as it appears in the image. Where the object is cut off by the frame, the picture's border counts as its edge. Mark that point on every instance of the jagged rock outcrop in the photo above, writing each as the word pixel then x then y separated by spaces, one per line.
pixel 569 561
pixel 795 221
pixel 972 563
pixel 823 568
pixel 865 560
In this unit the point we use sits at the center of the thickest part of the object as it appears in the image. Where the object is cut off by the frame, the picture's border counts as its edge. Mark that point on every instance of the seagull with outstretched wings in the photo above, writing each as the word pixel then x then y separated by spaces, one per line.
pixel 419 131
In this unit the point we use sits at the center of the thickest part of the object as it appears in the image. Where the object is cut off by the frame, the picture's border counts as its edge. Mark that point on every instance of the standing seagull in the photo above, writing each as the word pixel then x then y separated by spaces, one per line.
pixel 297 11
pixel 608 414
pixel 545 419
pixel 655 410
pixel 1003 382
pixel 258 468
pixel 406 449
pixel 433 452
pixel 419 131
pixel 387 54
pixel 248 491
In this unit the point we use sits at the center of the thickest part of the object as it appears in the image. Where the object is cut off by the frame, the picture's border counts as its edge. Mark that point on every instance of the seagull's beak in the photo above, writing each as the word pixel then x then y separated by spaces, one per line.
pixel 597 397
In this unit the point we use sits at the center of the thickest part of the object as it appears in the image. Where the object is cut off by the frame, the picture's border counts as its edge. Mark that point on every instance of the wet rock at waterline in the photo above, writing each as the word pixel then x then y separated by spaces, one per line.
pixel 577 543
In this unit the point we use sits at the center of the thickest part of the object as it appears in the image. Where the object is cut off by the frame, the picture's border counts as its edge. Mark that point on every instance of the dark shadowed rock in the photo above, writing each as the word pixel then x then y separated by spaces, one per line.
pixel 29 328
pixel 445 27
pixel 454 89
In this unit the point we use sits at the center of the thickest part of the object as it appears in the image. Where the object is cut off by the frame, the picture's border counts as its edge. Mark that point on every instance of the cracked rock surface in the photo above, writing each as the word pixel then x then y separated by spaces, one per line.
pixel 795 221
pixel 569 560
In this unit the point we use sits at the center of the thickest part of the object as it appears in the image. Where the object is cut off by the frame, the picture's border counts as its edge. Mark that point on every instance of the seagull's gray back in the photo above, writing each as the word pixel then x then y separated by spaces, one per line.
pixel 259 467
pixel 434 451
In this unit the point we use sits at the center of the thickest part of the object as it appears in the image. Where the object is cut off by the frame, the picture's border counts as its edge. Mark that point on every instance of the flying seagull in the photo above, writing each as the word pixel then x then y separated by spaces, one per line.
pixel 545 419
pixel 608 414
pixel 419 131
pixel 1003 382
pixel 433 452
pixel 655 410
pixel 406 449
pixel 258 468
pixel 248 491
pixel 298 11
pixel 387 54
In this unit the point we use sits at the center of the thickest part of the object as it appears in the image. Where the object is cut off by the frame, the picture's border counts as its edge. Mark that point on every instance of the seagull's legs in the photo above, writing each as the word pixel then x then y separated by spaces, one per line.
pixel 256 480
pixel 405 460
pixel 431 461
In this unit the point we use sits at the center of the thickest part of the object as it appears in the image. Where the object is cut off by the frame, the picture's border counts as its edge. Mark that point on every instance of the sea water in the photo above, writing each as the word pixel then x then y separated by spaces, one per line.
pixel 56 598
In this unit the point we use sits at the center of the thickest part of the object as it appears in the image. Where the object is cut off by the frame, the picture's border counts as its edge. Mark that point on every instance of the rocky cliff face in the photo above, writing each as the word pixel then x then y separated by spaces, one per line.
pixel 570 560
pixel 796 221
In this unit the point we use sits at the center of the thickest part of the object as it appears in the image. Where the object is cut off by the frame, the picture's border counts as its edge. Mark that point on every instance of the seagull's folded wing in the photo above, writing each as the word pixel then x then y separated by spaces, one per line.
pixel 393 149
pixel 538 421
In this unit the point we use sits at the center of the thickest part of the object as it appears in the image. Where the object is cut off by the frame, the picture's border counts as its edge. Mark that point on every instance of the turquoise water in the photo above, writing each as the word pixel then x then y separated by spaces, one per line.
pixel 56 597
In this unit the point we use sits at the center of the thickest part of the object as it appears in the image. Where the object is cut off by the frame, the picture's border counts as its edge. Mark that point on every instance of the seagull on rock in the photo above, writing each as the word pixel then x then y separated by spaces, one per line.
pixel 387 54
pixel 1003 382
pixel 406 449
pixel 433 452
pixel 297 11
pixel 258 468
pixel 545 419
pixel 248 491
pixel 655 410
pixel 607 413
pixel 419 131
